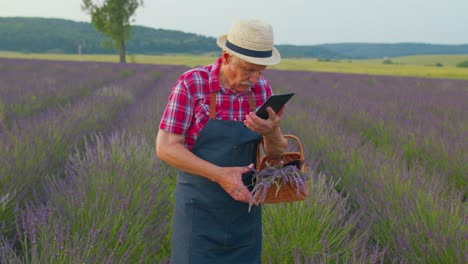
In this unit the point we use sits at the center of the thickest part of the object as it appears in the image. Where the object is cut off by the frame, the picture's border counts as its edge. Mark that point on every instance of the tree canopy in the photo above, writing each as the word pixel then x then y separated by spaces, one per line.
pixel 112 18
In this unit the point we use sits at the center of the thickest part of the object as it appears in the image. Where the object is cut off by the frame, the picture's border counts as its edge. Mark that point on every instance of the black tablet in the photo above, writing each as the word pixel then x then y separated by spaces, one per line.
pixel 276 102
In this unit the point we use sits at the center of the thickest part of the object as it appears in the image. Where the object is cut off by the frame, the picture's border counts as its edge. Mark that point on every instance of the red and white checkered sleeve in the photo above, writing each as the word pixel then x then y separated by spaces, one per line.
pixel 179 110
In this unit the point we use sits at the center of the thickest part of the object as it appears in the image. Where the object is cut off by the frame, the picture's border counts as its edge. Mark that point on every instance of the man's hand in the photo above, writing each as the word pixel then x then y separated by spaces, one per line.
pixel 274 144
pixel 231 182
pixel 262 126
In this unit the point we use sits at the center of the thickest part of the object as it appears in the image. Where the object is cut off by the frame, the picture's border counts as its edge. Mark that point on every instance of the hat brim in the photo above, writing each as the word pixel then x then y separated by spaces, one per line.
pixel 274 59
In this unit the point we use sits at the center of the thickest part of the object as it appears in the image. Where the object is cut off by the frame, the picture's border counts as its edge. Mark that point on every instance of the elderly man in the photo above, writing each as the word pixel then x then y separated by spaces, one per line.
pixel 209 131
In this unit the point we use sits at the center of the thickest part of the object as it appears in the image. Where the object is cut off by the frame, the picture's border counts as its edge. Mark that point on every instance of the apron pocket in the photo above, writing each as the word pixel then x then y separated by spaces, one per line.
pixel 220 228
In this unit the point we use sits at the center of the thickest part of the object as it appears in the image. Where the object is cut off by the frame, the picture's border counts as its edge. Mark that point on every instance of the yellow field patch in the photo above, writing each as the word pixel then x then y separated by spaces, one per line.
pixel 419 66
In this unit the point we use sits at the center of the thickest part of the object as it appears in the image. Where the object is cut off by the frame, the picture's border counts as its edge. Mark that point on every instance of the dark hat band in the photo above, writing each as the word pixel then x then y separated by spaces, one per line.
pixel 247 52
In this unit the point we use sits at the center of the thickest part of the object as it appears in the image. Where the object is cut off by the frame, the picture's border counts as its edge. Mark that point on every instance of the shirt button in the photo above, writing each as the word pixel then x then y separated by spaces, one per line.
pixel 235 118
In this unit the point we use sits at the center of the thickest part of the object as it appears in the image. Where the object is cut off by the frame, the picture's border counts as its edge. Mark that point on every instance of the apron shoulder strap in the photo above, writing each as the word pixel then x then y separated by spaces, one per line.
pixel 251 102
pixel 212 105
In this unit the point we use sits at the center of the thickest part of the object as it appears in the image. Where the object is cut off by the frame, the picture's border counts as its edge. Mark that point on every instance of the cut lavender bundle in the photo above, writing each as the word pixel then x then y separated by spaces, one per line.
pixel 279 184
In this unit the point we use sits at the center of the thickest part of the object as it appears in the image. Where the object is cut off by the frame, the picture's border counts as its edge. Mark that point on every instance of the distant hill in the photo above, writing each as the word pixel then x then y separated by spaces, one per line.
pixel 382 50
pixel 50 35
pixel 64 36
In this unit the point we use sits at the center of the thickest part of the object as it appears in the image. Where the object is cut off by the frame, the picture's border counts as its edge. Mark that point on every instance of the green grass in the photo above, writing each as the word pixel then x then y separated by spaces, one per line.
pixel 432 60
pixel 403 66
pixel 181 59
pixel 373 68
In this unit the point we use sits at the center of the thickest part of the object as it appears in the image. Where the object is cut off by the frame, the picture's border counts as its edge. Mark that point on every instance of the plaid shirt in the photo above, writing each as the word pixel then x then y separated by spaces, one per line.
pixel 187 110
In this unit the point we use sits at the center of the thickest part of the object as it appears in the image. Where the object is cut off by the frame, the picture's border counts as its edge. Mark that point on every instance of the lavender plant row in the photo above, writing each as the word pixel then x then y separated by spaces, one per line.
pixel 408 208
pixel 38 146
pixel 421 120
pixel 126 121
pixel 28 87
pixel 414 217
pixel 322 229
pixel 142 117
pixel 112 206
pixel 109 202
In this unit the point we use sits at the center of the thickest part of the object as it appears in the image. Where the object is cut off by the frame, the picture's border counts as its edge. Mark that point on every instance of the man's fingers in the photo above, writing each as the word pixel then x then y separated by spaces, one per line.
pixel 271 113
pixel 241 194
pixel 248 168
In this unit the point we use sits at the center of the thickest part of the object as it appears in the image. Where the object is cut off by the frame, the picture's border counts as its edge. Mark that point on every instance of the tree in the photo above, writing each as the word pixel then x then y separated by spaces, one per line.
pixel 112 17
pixel 463 64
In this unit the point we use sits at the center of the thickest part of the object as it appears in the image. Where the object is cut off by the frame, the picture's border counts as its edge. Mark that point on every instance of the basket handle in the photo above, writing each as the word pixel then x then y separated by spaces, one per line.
pixel 298 142
pixel 287 136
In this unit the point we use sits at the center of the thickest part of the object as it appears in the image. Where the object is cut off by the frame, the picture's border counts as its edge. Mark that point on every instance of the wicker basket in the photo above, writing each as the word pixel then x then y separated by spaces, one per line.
pixel 287 192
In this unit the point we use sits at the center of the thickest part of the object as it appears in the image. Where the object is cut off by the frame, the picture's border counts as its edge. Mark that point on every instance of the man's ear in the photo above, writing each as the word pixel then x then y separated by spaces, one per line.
pixel 225 57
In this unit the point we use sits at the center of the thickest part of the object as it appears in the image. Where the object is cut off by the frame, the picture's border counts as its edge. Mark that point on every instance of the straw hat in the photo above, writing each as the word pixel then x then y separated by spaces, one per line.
pixel 251 40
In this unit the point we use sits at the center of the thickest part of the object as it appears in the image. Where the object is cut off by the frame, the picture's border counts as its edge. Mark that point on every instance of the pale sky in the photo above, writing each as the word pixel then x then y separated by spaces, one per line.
pixel 298 22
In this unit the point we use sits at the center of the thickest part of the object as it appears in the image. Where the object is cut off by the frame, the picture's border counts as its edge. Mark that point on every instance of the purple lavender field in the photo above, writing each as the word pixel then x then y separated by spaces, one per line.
pixel 79 181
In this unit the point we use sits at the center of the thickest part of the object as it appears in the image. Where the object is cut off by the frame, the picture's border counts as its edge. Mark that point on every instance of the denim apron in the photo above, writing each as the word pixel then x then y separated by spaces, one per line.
pixel 209 226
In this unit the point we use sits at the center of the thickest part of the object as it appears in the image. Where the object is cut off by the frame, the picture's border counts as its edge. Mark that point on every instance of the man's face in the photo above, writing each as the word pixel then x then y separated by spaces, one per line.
pixel 243 74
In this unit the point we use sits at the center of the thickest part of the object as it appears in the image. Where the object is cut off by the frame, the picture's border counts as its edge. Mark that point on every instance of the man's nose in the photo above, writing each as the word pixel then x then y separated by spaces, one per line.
pixel 254 76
